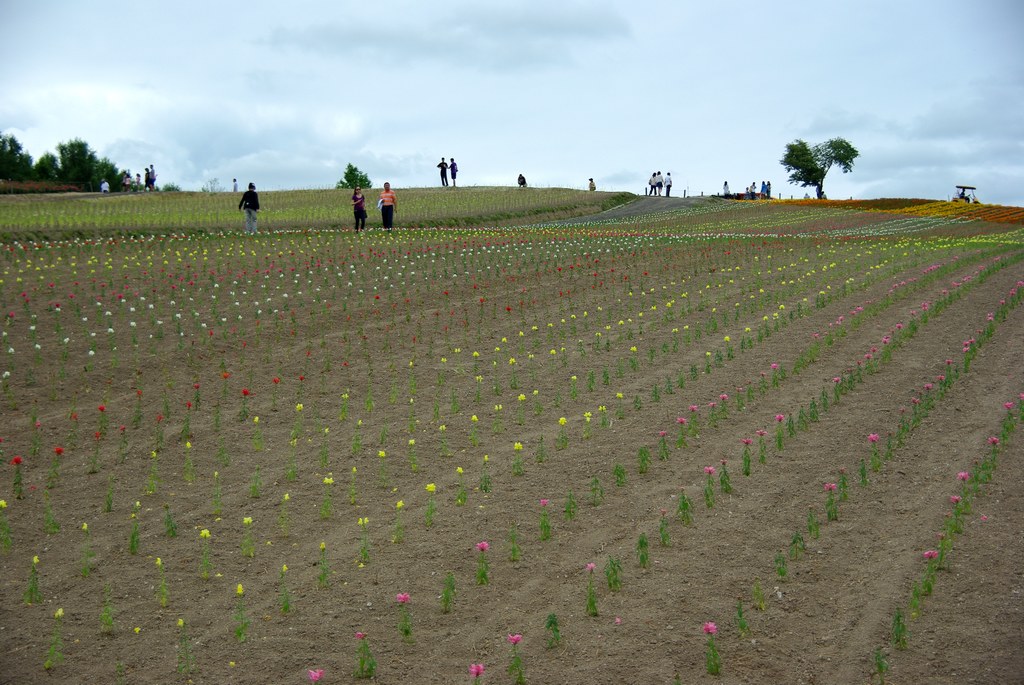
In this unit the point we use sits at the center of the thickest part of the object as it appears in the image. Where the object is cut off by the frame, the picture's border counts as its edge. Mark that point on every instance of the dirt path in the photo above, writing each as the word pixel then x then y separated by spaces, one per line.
pixel 643 206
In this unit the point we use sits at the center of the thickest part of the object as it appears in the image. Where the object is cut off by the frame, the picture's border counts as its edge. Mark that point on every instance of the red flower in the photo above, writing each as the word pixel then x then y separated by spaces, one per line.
pixel 102 407
pixel 58 451
pixel 245 392
pixel 16 461
pixel 276 380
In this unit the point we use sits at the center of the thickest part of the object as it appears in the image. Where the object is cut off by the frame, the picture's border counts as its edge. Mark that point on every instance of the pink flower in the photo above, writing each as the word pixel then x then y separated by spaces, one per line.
pixel 748 441
pixel 955 499
pixel 681 420
pixel 780 418
pixel 873 437
pixel 402 598
pixel 514 639
pixel 710 470
pixel 984 518
pixel 710 628
pixel 315 675
pixel 830 487
pixel 723 397
pixel 483 546
pixel 618 620
pixel 931 554
pixel 694 407
pixel 761 432
pixel 928 386
pixel 544 502
pixel 963 475
pixel 590 567
pixel 476 670
pixel 712 404
pixel 662 433
pixel 1007 405
pixel 774 367
pixel 360 636
pixel 993 440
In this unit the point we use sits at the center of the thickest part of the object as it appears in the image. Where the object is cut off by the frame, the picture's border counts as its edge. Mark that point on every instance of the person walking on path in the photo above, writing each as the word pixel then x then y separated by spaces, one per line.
pixel 250 204
pixel 454 169
pixel 234 184
pixel 388 204
pixel 654 179
pixel 668 184
pixel 443 166
pixel 152 178
pixel 359 209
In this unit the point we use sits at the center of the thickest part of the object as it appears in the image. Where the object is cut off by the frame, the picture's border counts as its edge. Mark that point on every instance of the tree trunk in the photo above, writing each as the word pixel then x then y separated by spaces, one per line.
pixel 820 191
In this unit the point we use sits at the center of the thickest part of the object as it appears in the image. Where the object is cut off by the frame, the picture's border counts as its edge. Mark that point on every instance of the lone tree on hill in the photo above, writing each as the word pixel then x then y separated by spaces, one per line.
pixel 808 165
pixel 353 178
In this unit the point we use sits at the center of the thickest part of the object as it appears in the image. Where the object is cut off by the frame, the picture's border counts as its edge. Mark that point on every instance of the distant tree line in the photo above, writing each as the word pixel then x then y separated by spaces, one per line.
pixel 75 164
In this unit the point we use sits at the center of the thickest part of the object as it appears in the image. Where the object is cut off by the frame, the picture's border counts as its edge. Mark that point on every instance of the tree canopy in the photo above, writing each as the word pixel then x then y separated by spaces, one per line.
pixel 808 166
pixel 353 178
pixel 15 163
pixel 75 162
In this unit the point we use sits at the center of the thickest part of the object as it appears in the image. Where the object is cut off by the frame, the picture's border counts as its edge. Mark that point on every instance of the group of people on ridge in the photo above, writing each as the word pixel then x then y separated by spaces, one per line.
pixel 657 183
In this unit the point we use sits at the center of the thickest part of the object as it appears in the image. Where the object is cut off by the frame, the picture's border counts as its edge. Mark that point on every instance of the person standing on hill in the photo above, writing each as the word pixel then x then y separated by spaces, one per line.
pixel 668 184
pixel 443 166
pixel 359 209
pixel 591 186
pixel 152 178
pixel 454 169
pixel 388 204
pixel 725 189
pixel 250 204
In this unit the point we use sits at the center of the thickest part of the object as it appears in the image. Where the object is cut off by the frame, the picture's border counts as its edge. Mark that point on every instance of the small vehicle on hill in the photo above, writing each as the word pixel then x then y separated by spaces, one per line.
pixel 965 194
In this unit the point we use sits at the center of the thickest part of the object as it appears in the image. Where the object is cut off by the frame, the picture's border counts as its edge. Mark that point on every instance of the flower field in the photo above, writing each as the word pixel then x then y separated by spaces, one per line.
pixel 725 442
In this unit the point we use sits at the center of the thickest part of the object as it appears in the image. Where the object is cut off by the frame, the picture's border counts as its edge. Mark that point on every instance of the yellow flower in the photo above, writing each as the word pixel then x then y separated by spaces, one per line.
pixel 486 458
pixel 353 470
pixel 137 629
pixel 562 421
pixel 239 590
pixel 247 521
pixel 458 470
pixel 517 447
pixel 323 545
pixel 255 419
pixel 430 487
pixel 204 533
pixel 3 504
pixel 85 527
pixel 381 453
pixel 159 563
pixel 522 397
pixel 399 504
pixel 328 481
pixel 618 395
pixel 188 444
pixel 726 338
pixel 511 361
pixel 286 497
pixel 284 568
pixel 363 521
pixel 181 623
pixel 298 407
pixel 442 428
pixel 473 418
pixel 412 442
pixel 59 613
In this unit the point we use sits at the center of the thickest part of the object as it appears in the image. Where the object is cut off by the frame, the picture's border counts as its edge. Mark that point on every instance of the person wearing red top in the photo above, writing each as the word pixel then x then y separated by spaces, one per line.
pixel 388 206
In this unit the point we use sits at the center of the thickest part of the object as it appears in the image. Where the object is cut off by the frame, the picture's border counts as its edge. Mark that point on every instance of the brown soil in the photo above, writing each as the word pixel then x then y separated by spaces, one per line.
pixel 821 624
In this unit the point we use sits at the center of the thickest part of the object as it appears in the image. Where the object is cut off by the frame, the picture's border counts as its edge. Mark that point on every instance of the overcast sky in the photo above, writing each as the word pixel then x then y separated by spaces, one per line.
pixel 931 92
